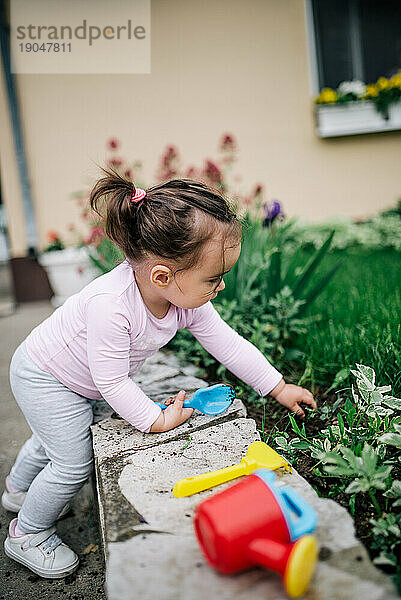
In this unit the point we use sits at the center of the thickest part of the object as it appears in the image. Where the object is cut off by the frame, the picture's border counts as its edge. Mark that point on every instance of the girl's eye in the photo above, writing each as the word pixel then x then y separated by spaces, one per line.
pixel 216 280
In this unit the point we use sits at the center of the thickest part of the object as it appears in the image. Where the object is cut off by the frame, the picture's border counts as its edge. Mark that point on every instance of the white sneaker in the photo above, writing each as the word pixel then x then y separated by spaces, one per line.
pixel 14 501
pixel 44 553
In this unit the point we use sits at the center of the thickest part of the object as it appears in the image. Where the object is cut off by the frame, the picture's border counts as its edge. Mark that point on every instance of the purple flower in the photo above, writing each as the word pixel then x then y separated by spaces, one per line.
pixel 271 212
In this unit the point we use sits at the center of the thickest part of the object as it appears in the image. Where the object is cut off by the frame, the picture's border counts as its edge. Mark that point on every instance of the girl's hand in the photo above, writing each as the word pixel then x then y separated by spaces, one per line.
pixel 173 415
pixel 291 395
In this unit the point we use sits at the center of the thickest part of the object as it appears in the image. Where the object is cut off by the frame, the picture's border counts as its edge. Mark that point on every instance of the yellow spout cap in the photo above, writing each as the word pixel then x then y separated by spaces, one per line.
pixel 301 566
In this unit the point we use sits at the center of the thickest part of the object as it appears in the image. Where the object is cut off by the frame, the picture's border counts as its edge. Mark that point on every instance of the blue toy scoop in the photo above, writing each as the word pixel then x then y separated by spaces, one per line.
pixel 211 400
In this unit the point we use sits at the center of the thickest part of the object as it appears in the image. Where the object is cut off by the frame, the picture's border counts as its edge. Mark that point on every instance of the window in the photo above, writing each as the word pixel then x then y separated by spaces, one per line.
pixel 356 39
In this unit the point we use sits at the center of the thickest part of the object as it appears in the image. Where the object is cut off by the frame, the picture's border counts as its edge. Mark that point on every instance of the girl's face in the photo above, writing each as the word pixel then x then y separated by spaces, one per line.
pixel 194 287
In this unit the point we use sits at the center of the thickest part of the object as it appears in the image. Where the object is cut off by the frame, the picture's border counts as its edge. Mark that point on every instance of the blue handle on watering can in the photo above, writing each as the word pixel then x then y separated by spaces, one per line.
pixel 299 516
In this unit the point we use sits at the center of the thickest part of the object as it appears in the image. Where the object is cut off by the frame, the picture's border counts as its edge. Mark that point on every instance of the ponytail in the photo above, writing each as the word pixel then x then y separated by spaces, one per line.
pixel 172 220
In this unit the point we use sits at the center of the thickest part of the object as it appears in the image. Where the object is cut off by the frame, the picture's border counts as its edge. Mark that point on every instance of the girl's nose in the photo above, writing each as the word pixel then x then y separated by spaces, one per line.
pixel 221 286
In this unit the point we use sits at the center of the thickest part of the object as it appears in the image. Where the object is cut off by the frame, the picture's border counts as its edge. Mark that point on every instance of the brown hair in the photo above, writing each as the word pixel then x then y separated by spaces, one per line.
pixel 173 221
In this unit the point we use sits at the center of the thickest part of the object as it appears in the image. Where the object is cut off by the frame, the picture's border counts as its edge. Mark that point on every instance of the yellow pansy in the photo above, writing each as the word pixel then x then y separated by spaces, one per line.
pixel 395 80
pixel 382 83
pixel 327 96
pixel 371 90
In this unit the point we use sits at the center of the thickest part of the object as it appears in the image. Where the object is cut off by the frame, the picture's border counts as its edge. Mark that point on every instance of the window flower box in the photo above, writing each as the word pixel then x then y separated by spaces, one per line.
pixel 355 117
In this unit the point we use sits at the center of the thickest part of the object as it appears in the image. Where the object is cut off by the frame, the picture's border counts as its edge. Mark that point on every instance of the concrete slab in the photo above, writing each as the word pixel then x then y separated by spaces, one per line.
pixel 114 436
pixel 157 554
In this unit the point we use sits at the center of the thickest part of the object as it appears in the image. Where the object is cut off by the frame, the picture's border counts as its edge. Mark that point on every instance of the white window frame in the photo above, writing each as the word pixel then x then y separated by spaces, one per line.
pixel 352 118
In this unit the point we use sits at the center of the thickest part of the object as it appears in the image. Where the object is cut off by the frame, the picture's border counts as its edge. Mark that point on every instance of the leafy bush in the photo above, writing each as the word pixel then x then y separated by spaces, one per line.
pixel 381 231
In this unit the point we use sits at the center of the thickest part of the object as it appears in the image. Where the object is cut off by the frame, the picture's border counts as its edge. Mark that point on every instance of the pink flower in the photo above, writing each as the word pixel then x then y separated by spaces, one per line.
pixel 228 158
pixel 70 226
pixel 191 173
pixel 228 143
pixel 95 236
pixel 128 173
pixel 115 162
pixel 169 156
pixel 212 172
pixel 169 164
pixel 258 190
pixel 171 152
pixel 80 270
pixel 113 144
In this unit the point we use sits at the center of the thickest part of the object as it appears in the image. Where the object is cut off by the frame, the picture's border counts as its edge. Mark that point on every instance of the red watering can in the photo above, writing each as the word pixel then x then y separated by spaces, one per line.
pixel 256 522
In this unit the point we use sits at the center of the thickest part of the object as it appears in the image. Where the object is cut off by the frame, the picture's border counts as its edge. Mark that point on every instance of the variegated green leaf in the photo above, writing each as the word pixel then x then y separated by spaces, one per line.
pixel 385 558
pixel 354 461
pixel 376 397
pixel 395 490
pixel 384 388
pixel 367 373
pixel 393 439
pixel 392 402
pixel 358 485
pixel 369 459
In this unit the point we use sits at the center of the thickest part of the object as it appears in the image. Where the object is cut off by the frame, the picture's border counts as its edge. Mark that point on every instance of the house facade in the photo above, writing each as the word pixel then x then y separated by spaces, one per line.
pixel 249 68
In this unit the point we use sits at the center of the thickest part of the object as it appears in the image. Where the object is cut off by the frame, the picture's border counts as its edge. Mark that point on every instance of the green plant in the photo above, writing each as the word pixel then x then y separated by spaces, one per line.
pixel 361 452
pixel 392 439
pixel 380 231
pixel 367 475
pixel 387 539
pixel 288 446
pixel 106 256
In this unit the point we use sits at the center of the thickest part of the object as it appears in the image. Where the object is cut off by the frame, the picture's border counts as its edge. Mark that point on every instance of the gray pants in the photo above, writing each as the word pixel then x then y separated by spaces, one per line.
pixel 56 461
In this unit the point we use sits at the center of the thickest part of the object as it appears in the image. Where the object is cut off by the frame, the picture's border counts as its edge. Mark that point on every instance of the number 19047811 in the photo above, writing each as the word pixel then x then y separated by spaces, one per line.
pixel 45 47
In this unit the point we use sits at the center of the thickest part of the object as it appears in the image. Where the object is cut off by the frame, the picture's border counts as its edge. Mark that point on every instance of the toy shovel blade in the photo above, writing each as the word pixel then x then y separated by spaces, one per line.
pixel 259 455
pixel 212 400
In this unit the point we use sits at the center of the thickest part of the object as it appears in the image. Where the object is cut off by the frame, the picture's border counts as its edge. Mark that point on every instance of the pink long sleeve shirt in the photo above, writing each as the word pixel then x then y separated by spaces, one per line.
pixel 100 337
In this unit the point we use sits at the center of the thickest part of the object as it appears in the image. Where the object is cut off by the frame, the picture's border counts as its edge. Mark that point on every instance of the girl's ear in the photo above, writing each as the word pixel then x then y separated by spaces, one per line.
pixel 161 276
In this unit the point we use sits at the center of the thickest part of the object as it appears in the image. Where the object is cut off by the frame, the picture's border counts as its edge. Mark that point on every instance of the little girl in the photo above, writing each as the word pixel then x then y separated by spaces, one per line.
pixel 179 238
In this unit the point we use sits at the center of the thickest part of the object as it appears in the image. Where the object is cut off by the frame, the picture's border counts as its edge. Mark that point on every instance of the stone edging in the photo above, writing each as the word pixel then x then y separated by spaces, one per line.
pixel 149 545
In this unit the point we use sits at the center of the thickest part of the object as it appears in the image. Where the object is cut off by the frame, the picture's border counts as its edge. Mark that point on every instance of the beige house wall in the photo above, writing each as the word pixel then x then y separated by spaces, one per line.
pixel 217 66
pixel 10 184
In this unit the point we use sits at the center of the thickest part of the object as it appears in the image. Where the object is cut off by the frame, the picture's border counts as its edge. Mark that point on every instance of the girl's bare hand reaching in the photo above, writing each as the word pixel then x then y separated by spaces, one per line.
pixel 175 414
pixel 291 396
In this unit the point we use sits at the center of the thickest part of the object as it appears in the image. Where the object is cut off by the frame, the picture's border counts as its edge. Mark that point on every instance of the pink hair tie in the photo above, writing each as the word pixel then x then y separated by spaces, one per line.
pixel 139 195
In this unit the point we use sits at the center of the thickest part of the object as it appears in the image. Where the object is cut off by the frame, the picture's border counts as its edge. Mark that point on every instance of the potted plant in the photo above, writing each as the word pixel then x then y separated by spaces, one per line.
pixel 68 267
